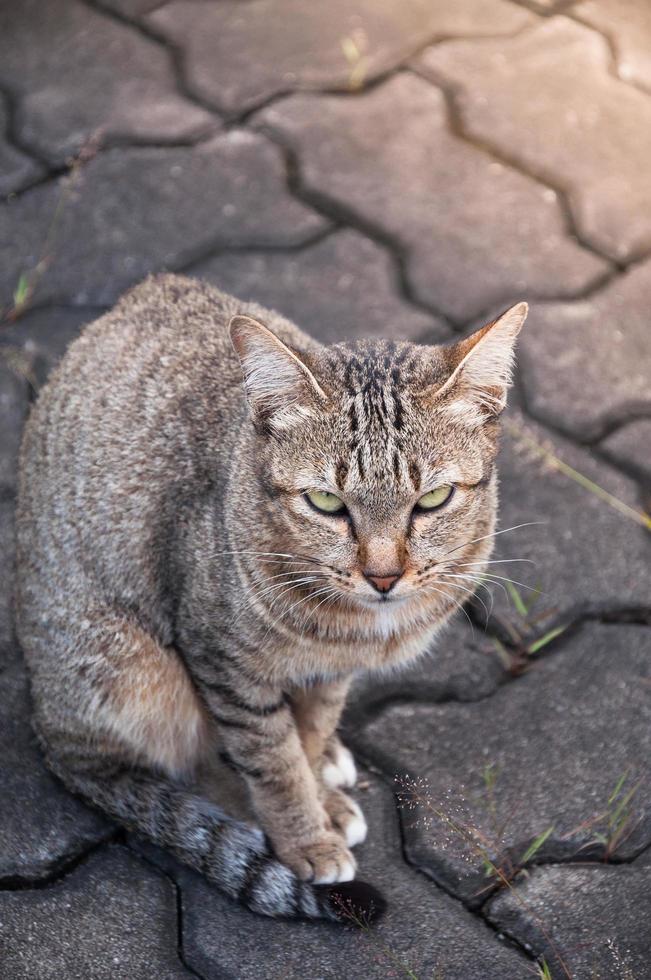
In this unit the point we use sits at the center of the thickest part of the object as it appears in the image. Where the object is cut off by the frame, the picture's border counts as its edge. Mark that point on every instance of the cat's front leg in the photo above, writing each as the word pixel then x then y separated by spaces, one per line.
pixel 317 710
pixel 262 743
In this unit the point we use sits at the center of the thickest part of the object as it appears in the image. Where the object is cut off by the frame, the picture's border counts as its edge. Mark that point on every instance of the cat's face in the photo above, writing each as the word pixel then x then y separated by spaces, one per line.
pixel 378 462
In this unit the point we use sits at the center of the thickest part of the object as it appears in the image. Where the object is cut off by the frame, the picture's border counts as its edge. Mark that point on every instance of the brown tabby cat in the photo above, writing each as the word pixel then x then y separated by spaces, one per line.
pixel 201 572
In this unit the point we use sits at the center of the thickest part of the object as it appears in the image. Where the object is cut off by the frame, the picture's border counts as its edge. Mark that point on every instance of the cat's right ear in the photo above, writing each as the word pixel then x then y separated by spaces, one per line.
pixel 280 388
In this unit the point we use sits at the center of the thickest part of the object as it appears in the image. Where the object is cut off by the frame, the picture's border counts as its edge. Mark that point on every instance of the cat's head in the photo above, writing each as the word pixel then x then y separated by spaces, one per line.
pixel 376 460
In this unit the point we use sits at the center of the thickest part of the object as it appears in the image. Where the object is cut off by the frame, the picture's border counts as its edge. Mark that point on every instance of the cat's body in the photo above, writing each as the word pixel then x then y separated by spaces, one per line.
pixel 178 596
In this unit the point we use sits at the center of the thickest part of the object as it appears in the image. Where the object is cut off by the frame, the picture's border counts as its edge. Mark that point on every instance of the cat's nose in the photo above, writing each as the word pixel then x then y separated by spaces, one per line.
pixel 382 583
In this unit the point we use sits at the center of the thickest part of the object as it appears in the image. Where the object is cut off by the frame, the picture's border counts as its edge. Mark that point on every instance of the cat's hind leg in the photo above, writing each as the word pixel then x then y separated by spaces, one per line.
pixel 125 732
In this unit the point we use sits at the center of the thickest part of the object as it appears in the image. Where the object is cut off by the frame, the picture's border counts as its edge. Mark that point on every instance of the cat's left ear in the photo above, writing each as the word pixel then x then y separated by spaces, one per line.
pixel 482 365
pixel 280 387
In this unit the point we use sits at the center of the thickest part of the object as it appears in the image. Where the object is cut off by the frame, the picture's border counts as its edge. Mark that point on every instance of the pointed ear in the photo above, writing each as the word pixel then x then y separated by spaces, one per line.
pixel 482 365
pixel 280 388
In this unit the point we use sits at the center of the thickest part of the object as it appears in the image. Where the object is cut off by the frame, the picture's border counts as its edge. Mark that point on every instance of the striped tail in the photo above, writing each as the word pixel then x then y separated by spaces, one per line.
pixel 232 854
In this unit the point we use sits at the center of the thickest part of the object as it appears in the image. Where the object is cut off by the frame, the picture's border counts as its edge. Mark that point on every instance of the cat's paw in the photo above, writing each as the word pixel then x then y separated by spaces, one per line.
pixel 323 861
pixel 346 817
pixel 338 766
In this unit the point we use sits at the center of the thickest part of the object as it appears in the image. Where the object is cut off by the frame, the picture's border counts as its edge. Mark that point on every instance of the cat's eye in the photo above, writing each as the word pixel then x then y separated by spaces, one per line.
pixel 435 498
pixel 327 503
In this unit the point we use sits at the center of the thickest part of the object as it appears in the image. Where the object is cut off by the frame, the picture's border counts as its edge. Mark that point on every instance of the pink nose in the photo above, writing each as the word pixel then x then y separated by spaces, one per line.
pixel 382 583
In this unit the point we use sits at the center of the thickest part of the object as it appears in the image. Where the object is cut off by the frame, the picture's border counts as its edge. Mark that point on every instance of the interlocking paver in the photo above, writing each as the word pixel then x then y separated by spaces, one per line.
pixel 423 929
pixel 14 404
pixel 116 226
pixel 16 169
pixel 43 826
pixel 461 665
pixel 555 743
pixel 341 288
pixel 390 157
pixel 630 446
pixel 557 349
pixel 597 919
pixel 112 917
pixel 66 65
pixel 587 556
pixel 43 335
pixel 547 99
pixel 288 44
pixel 8 648
pixel 628 25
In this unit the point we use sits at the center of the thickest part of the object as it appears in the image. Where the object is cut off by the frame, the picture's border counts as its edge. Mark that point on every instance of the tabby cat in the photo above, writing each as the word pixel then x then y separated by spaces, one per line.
pixel 220 523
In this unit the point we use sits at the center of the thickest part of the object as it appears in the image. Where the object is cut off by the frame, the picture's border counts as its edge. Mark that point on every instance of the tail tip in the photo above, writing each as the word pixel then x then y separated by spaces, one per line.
pixel 355 902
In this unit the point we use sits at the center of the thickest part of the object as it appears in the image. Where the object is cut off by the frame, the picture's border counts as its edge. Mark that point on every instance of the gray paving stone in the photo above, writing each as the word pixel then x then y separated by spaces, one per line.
pixel 140 210
pixel 113 917
pixel 597 918
pixel 44 333
pixel 545 99
pixel 42 825
pixel 16 169
pixel 630 446
pixel 423 930
pixel 476 232
pixel 587 556
pixel 341 288
pixel 462 665
pixel 576 383
pixel 287 44
pixel 78 73
pixel 557 742
pixel 628 25
pixel 8 646
pixel 132 8
pixel 14 405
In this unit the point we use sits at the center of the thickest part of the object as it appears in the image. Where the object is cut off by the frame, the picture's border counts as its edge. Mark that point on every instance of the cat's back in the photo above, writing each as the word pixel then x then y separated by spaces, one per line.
pixel 142 415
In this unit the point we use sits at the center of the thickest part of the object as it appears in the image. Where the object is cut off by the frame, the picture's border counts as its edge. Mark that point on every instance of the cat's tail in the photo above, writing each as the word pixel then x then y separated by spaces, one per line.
pixel 234 855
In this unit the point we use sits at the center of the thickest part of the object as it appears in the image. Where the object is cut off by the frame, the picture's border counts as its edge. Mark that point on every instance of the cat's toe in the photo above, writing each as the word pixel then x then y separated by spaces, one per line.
pixel 339 769
pixel 346 817
pixel 328 857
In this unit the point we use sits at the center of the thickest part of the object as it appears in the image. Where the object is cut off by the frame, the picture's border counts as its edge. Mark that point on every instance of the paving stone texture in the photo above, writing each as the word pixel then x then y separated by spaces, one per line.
pixel 398 168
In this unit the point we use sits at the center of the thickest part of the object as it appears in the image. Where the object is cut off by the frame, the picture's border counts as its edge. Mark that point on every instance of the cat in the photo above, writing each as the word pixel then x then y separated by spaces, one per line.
pixel 220 522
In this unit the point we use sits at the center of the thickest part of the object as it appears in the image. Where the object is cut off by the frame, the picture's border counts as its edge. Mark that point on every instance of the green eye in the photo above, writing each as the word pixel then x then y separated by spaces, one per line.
pixel 329 503
pixel 435 498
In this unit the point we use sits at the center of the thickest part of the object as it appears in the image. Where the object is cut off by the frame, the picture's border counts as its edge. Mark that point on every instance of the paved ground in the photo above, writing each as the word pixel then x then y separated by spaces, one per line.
pixel 396 167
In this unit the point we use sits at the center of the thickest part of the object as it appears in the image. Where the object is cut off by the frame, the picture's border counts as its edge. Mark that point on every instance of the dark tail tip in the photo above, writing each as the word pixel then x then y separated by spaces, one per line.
pixel 354 902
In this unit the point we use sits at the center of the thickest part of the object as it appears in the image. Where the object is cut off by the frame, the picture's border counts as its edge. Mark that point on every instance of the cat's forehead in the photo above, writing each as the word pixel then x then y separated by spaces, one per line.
pixel 368 365
pixel 385 442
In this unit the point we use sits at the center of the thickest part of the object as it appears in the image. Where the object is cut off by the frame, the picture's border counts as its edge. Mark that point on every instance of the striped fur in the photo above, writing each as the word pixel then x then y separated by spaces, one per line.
pixel 180 599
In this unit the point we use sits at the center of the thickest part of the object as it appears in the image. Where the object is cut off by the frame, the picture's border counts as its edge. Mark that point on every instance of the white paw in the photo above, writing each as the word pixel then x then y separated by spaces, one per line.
pixel 356 828
pixel 345 872
pixel 342 771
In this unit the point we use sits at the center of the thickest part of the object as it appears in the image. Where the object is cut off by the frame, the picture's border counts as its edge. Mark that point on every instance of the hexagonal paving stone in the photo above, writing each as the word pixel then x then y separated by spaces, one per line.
pixel 423 930
pixel 628 24
pixel 44 333
pixel 135 211
pixel 16 169
pixel 341 288
pixel 586 361
pixel 630 447
pixel 545 99
pixel 288 44
pixel 598 920
pixel 545 751
pixel 112 917
pixel 476 232
pixel 41 825
pixel 461 666
pixel 77 73
pixel 14 405
pixel 8 647
pixel 587 556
